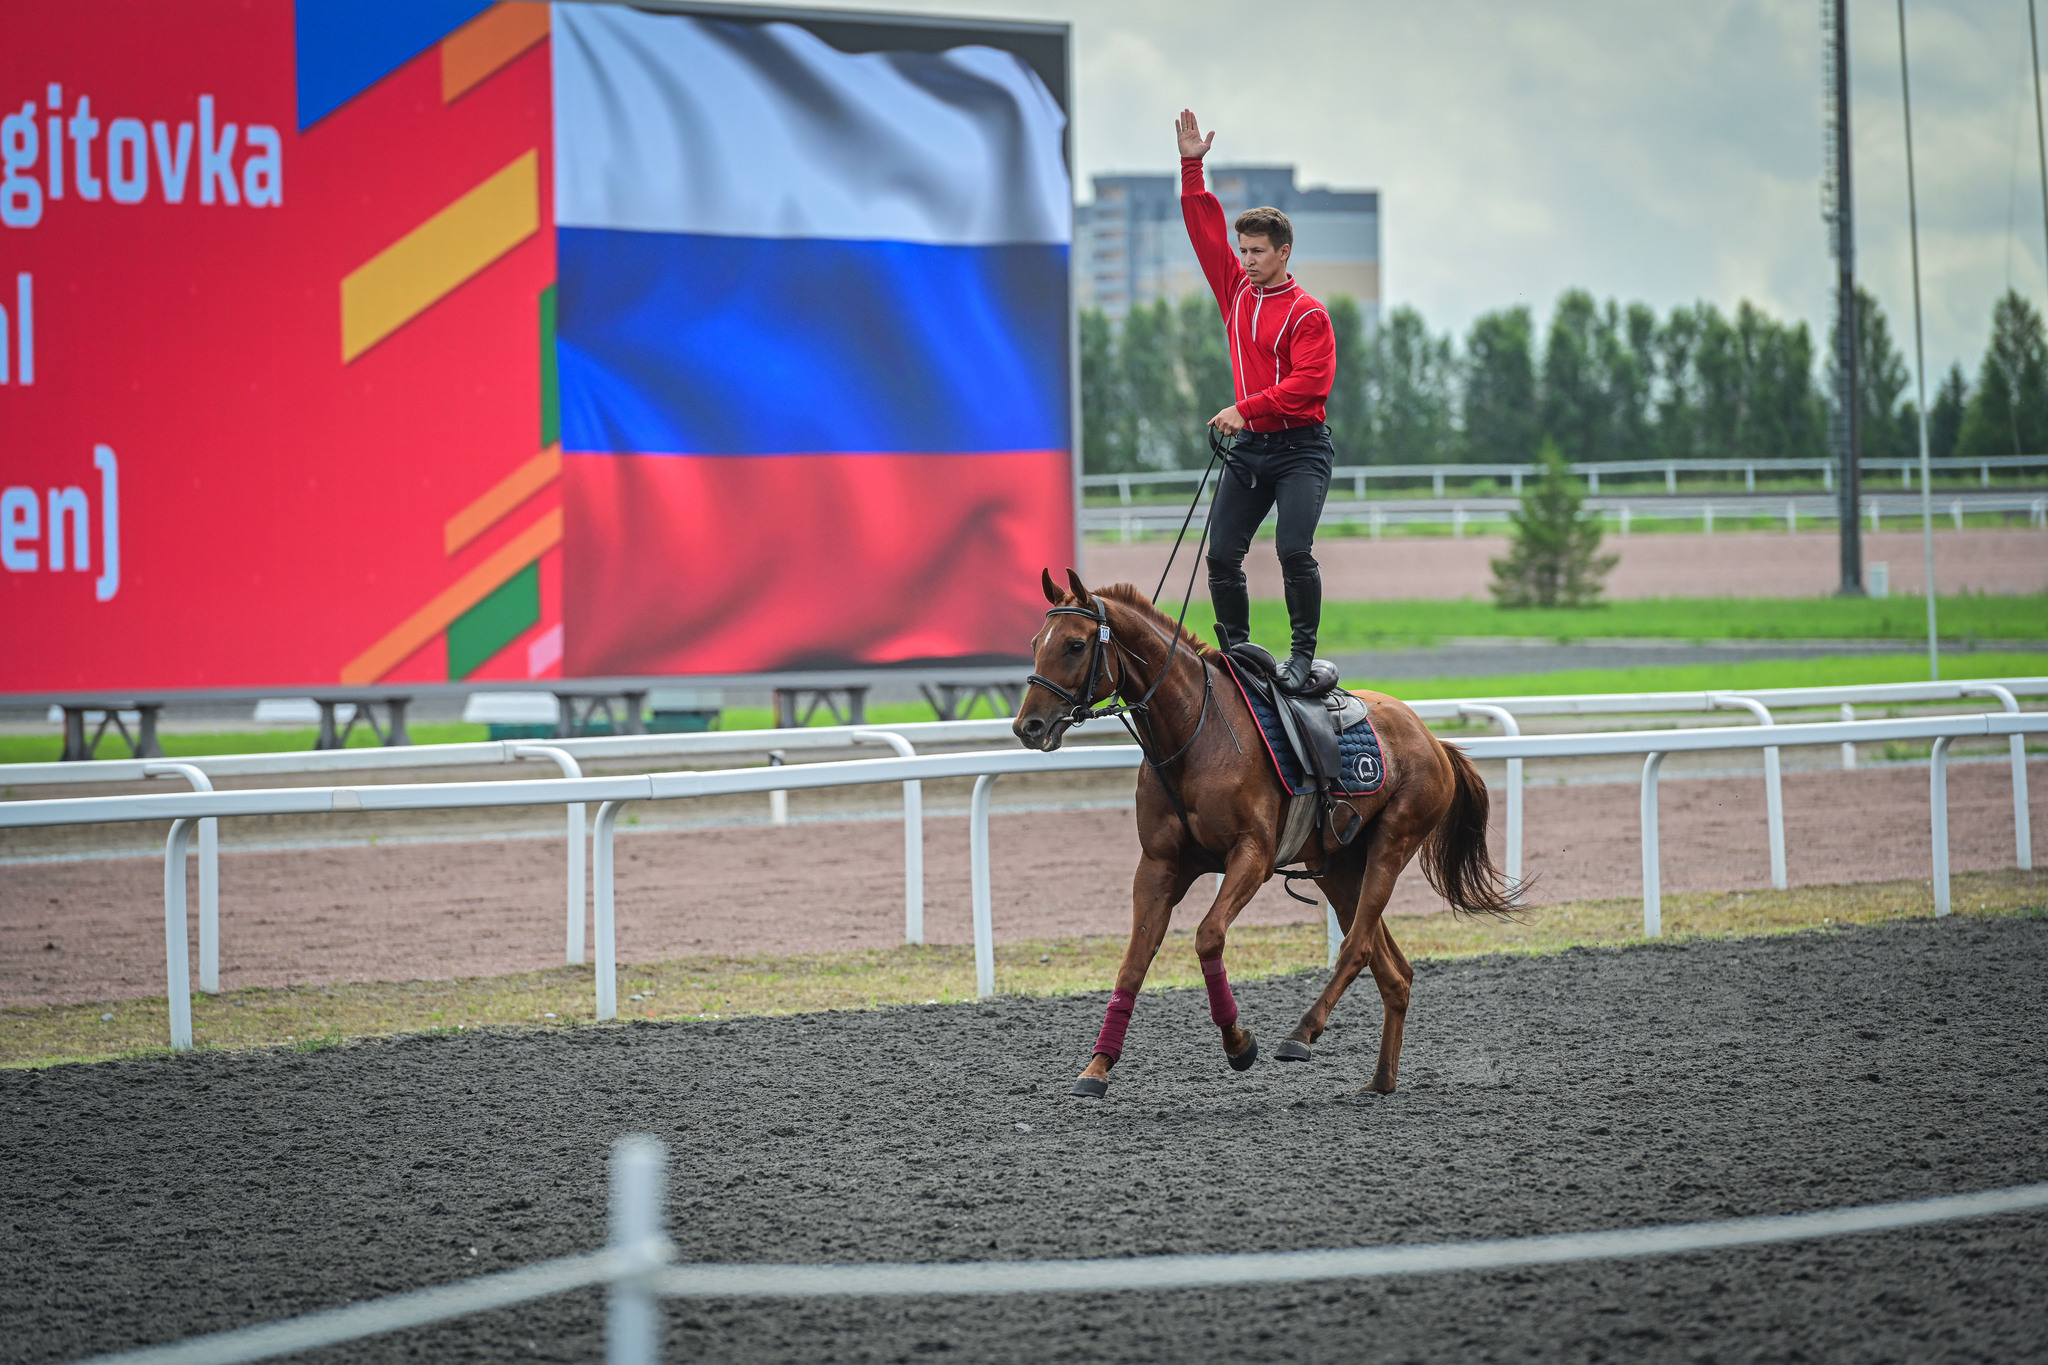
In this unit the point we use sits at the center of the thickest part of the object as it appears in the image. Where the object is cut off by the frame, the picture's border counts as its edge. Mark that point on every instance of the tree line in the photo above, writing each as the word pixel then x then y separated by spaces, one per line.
pixel 1603 381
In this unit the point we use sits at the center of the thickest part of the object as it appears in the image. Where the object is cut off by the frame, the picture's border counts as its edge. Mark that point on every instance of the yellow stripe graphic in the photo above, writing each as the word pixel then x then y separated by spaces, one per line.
pixel 515 488
pixel 409 276
pixel 488 43
pixel 468 590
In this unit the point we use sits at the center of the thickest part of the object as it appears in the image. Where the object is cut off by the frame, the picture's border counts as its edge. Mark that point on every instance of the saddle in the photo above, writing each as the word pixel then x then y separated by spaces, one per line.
pixel 1312 721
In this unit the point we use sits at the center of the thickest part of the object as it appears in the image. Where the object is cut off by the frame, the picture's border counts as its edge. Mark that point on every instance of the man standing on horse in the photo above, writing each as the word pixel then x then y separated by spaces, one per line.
pixel 1283 358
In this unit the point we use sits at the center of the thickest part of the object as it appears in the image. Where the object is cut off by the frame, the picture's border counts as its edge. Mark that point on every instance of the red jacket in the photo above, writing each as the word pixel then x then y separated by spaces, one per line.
pixel 1283 354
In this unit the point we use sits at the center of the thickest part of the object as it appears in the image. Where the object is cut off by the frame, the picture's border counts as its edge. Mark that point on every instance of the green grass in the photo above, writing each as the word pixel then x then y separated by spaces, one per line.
pixel 1366 625
pixel 1828 671
pixel 47 748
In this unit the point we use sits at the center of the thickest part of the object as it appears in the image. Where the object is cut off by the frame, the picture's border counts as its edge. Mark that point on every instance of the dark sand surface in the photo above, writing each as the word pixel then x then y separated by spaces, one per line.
pixel 148 1200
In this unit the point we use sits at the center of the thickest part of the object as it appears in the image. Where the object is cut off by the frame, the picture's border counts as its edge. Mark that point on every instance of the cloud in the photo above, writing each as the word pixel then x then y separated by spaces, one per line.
pixel 1668 152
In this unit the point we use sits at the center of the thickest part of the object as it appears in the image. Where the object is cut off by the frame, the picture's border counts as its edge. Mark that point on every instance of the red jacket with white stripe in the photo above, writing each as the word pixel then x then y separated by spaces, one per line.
pixel 1283 354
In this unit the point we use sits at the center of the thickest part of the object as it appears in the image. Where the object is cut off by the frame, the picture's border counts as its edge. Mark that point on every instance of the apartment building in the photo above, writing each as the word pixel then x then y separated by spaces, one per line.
pixel 1131 246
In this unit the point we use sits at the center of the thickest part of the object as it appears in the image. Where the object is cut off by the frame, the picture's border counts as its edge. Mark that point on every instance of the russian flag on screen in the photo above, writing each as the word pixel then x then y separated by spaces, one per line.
pixel 812 338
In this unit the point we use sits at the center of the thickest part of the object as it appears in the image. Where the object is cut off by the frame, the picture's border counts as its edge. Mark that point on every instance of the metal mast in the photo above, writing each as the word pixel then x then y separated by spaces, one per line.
pixel 1838 211
pixel 1919 362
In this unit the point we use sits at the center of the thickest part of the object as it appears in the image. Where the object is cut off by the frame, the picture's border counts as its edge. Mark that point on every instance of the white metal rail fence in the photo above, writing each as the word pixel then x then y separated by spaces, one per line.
pixel 638 1268
pixel 1358 476
pixel 567 754
pixel 185 809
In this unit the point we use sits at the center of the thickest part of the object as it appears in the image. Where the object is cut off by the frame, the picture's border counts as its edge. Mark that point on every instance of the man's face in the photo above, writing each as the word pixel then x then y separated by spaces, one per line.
pixel 1266 264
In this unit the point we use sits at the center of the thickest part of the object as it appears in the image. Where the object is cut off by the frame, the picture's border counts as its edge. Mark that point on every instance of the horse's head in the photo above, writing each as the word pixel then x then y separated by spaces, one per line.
pixel 1072 662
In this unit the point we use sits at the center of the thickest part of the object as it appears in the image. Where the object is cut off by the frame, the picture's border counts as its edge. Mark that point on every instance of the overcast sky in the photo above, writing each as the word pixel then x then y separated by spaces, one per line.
pixel 1666 151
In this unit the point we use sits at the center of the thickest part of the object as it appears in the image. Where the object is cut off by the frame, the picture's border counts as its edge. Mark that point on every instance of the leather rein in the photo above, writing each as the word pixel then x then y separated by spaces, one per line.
pixel 1083 706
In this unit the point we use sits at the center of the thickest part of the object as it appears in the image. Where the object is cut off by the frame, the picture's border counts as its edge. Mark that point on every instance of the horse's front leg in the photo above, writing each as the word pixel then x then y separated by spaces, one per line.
pixel 1155 890
pixel 1244 872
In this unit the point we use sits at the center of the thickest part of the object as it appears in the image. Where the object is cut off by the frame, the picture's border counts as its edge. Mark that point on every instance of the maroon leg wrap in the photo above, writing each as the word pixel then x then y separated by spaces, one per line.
pixel 1222 1004
pixel 1115 1019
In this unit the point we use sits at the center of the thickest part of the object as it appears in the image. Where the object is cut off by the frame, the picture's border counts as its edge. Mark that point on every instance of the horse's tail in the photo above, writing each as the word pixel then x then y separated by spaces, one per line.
pixel 1455 860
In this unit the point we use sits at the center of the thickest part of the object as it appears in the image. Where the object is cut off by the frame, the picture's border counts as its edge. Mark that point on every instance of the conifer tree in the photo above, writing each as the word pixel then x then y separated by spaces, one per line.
pixel 1554 557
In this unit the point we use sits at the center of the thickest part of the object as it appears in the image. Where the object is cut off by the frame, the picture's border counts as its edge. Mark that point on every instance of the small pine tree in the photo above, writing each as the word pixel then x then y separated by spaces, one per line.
pixel 1554 559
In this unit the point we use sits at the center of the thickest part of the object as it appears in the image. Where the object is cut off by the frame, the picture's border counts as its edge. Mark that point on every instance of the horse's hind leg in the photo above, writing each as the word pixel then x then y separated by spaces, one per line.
pixel 1363 941
pixel 1393 975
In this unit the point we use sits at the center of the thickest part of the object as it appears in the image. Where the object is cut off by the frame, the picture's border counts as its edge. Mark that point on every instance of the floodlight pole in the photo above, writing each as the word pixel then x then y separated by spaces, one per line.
pixel 2040 133
pixel 1848 394
pixel 1919 359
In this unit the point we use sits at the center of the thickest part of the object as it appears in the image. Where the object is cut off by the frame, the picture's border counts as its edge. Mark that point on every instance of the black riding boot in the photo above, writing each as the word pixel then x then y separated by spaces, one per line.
pixel 1232 599
pixel 1304 584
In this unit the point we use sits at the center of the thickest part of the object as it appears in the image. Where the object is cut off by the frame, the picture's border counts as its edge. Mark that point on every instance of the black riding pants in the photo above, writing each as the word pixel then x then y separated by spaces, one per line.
pixel 1291 470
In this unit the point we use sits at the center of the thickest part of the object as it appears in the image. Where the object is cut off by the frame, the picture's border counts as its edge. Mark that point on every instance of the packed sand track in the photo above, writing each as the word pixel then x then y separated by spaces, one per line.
pixel 93 930
pixel 152 1199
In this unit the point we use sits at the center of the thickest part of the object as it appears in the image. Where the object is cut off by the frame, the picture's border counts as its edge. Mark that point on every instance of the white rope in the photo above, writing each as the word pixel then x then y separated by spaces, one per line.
pixel 1186 1272
pixel 416 1309
pixel 1042 1277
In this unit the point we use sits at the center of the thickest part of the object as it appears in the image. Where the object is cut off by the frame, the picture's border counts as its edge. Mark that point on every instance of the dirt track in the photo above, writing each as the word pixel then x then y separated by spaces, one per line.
pixel 148 1200
pixel 1734 564
pixel 94 930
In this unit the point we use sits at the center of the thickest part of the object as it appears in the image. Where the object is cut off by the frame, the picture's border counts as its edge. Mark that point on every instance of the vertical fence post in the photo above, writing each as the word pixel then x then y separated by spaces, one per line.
pixel 1333 935
pixel 607 935
pixel 778 801
pixel 177 959
pixel 913 836
pixel 1653 891
pixel 632 1308
pixel 984 914
pixel 209 874
pixel 1848 749
pixel 2022 821
pixel 573 920
pixel 1774 789
pixel 1937 803
pixel 1510 727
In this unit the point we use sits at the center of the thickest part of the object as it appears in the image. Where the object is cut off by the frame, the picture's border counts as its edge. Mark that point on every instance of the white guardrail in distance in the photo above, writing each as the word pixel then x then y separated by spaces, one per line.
pixel 638 1267
pixel 567 753
pixel 184 808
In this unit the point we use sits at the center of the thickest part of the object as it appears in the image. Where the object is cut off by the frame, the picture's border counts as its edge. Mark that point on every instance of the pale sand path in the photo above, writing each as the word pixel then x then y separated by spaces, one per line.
pixel 94 930
pixel 1737 564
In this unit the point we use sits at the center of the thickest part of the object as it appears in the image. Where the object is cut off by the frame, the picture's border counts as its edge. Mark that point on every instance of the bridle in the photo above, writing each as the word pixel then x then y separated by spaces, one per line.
pixel 1082 706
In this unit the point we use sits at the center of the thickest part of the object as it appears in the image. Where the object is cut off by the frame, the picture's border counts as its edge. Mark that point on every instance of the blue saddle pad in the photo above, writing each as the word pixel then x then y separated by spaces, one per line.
pixel 1361 770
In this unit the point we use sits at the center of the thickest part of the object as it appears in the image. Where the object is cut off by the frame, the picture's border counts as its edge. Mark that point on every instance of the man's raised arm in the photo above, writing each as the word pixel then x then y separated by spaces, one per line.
pixel 1207 230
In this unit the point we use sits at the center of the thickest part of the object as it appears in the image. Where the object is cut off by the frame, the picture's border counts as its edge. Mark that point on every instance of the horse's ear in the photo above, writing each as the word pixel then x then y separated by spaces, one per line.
pixel 1080 588
pixel 1052 591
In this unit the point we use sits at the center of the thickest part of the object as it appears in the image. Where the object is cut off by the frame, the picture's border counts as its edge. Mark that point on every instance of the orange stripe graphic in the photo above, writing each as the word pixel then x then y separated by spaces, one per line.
pixel 471 54
pixel 515 488
pixel 419 269
pixel 468 590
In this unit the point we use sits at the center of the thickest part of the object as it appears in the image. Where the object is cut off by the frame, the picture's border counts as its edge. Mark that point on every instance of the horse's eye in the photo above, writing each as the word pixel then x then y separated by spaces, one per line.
pixel 1074 646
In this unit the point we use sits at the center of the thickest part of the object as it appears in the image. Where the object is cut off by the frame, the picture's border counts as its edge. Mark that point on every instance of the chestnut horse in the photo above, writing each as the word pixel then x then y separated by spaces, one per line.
pixel 1209 801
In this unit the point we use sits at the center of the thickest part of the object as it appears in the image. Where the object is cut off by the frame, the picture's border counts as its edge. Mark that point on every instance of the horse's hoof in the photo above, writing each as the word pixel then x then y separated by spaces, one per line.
pixel 1242 1061
pixel 1094 1087
pixel 1292 1050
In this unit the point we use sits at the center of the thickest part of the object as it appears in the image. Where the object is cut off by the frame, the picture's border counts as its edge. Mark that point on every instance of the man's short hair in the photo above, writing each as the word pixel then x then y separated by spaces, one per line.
pixel 1267 222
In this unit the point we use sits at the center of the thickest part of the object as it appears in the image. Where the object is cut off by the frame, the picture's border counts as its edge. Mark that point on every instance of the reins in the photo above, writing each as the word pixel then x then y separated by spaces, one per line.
pixel 1081 705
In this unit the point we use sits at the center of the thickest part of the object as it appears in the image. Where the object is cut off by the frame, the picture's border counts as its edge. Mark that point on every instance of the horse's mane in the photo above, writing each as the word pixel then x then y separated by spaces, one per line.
pixel 1133 597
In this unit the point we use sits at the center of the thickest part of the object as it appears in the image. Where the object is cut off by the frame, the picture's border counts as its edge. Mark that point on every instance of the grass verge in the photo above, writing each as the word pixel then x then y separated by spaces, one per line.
pixel 1845 670
pixel 310 1018
pixel 1368 625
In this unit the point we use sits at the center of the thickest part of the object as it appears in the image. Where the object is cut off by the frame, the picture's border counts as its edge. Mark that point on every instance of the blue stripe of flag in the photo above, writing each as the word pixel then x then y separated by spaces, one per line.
pixel 681 344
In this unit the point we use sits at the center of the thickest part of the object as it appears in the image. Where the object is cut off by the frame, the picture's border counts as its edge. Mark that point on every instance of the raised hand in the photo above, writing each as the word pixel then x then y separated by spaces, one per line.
pixel 1189 132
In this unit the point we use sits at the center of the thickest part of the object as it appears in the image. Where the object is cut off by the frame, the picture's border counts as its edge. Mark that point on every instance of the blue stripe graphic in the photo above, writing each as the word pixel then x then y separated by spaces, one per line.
pixel 680 344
